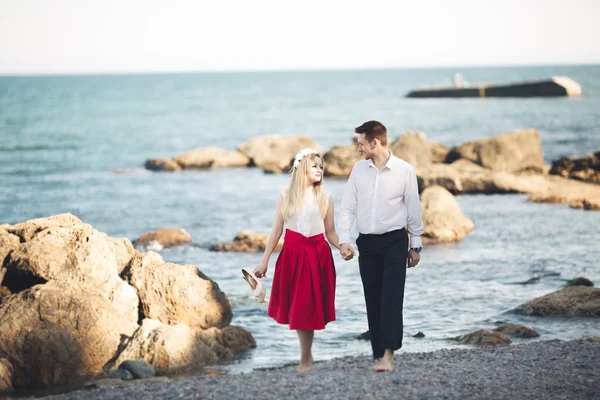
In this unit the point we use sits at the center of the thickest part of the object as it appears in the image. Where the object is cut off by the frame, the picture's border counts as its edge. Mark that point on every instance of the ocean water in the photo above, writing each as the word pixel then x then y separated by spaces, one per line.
pixel 63 137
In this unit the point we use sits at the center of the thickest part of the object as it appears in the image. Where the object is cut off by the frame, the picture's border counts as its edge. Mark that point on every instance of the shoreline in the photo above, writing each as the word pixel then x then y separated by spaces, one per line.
pixel 550 369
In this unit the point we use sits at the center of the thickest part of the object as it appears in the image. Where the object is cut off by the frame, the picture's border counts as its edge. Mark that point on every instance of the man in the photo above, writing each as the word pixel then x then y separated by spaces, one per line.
pixel 382 196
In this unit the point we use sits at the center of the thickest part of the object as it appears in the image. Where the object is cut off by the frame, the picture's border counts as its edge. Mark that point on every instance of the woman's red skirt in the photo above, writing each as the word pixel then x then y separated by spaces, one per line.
pixel 303 290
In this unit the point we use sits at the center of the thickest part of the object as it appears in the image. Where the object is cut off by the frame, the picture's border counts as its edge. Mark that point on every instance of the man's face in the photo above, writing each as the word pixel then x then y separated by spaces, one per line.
pixel 364 147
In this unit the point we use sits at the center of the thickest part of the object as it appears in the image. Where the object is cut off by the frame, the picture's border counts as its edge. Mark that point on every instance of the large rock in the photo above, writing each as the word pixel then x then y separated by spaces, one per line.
pixel 231 159
pixel 510 152
pixel 572 301
pixel 156 164
pixel 199 158
pixel 465 177
pixel 517 330
pixel 442 217
pixel 585 169
pixel 417 150
pixel 6 375
pixel 176 293
pixel 586 204
pixel 484 337
pixel 163 238
pixel 236 338
pixel 60 333
pixel 575 193
pixel 339 160
pixel 173 348
pixel 267 150
pixel 28 229
pixel 76 253
pixel 248 242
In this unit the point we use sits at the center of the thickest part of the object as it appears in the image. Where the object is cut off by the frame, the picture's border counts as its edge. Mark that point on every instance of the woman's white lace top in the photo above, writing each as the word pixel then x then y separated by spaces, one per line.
pixel 307 222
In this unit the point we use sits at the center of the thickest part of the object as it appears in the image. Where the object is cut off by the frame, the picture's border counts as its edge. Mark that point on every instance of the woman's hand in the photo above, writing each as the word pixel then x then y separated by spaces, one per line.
pixel 261 270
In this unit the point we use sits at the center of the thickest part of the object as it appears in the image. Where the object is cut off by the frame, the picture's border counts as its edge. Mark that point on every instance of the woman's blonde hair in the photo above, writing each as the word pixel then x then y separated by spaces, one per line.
pixel 293 201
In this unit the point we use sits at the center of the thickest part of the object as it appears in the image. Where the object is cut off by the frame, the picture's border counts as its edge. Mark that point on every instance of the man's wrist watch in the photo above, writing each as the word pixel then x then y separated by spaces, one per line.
pixel 417 249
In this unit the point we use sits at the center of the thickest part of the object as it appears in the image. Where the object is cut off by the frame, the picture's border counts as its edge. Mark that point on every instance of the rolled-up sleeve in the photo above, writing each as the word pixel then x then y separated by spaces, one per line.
pixel 347 215
pixel 413 209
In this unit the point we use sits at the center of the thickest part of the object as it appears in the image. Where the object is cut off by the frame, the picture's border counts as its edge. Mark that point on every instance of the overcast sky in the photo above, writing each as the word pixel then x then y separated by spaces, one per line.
pixel 85 36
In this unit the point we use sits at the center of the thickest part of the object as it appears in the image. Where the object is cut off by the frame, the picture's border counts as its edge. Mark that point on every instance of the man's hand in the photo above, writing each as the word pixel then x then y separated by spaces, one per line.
pixel 413 258
pixel 346 251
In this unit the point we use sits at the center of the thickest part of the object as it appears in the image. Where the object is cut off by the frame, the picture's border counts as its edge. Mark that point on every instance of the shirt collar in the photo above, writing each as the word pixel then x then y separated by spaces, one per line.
pixel 389 165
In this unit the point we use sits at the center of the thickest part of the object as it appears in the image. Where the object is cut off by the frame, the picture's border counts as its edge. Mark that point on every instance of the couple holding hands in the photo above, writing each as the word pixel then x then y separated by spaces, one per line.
pixel 382 198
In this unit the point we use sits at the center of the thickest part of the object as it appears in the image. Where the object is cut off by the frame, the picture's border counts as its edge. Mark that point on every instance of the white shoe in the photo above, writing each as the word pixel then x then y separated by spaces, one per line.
pixel 258 288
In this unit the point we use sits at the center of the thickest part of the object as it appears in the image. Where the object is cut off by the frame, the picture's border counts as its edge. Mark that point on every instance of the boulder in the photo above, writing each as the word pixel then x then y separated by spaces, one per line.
pixel 202 157
pixel 339 160
pixel 163 238
pixel 60 333
pixel 580 281
pixel 236 338
pixel 76 253
pixel 465 177
pixel 230 159
pixel 516 330
pixel 174 348
pixel 592 204
pixel 177 293
pixel 585 169
pixel 510 152
pixel 572 301
pixel 275 169
pixel 575 193
pixel 265 150
pixel 417 150
pixel 439 152
pixel 156 164
pixel 28 229
pixel 484 337
pixel 442 217
pixel 248 242
pixel 139 369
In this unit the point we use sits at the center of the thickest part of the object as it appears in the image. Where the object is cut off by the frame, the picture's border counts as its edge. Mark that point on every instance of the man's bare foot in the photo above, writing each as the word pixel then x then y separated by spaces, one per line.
pixel 304 368
pixel 385 364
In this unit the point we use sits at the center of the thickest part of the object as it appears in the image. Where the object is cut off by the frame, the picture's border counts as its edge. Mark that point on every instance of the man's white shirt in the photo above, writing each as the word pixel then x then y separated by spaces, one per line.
pixel 381 201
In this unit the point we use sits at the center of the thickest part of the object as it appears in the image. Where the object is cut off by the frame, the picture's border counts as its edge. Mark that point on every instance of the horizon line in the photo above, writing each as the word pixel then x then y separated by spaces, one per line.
pixel 284 70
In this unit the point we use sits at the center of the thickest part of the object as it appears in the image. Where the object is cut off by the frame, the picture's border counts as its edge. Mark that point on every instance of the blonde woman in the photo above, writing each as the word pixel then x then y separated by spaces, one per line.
pixel 303 290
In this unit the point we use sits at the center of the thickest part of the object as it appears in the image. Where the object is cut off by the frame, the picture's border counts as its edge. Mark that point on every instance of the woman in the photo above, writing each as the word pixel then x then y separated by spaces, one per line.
pixel 303 291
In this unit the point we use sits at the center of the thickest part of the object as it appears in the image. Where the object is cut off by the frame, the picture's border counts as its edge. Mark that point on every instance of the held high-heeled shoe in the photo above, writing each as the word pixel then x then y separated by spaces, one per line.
pixel 258 288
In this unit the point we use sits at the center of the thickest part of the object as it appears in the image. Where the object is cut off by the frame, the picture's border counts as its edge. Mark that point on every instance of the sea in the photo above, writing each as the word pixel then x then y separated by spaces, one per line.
pixel 78 143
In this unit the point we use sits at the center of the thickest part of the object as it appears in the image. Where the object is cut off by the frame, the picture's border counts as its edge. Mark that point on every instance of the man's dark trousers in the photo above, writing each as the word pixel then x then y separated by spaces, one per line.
pixel 382 261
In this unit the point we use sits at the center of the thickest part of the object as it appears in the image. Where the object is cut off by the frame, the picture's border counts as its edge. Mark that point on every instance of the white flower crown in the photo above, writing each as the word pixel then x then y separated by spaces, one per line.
pixel 301 154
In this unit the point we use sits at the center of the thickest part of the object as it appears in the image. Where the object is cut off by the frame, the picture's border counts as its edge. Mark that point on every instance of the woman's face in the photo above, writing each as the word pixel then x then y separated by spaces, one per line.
pixel 315 169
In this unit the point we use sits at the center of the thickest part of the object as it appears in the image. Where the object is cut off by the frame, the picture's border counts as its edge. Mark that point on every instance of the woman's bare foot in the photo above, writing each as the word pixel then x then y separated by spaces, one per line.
pixel 304 368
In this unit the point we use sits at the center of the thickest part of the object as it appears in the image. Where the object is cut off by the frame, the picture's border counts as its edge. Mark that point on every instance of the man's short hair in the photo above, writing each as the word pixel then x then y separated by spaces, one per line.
pixel 373 130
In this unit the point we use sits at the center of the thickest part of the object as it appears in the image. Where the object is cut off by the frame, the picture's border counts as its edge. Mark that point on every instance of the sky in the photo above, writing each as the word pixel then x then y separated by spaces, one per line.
pixel 131 36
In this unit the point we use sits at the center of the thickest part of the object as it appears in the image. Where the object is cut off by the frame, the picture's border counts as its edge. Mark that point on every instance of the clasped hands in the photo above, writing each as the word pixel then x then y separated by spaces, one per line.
pixel 346 251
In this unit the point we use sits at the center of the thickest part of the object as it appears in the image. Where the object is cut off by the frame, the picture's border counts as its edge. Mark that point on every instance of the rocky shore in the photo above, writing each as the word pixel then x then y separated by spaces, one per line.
pixel 511 162
pixel 540 370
